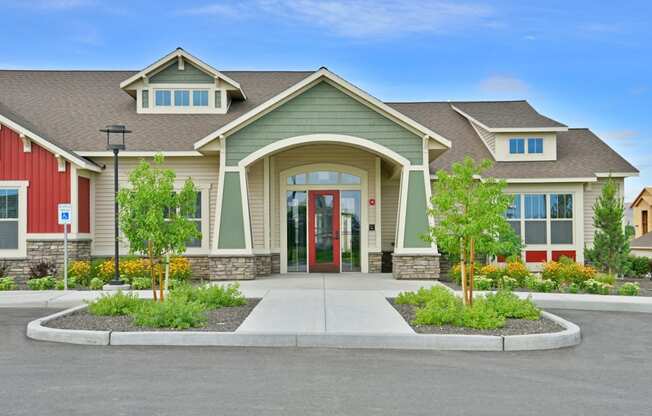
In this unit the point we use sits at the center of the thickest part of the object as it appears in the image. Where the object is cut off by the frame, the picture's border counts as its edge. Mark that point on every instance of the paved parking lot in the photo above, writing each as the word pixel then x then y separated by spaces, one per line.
pixel 608 374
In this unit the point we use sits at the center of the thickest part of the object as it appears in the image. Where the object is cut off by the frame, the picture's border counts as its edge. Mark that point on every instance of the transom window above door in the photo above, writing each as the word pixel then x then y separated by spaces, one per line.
pixel 323 178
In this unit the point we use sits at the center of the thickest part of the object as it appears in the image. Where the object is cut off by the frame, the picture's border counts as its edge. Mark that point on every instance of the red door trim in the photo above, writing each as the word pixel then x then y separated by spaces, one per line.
pixel 313 266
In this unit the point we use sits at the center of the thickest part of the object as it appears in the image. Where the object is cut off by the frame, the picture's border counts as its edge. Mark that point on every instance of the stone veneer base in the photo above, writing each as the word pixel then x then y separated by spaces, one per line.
pixel 46 250
pixel 415 266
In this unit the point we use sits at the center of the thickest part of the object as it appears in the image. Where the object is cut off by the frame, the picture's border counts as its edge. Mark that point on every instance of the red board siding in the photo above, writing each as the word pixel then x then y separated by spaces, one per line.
pixel 84 204
pixel 556 254
pixel 536 256
pixel 47 186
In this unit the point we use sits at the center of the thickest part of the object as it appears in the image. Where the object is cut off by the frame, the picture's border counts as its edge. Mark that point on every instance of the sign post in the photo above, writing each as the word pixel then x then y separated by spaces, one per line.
pixel 65 218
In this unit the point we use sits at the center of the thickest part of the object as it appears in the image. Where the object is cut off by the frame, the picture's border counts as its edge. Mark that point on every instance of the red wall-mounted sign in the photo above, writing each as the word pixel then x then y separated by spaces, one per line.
pixel 372 202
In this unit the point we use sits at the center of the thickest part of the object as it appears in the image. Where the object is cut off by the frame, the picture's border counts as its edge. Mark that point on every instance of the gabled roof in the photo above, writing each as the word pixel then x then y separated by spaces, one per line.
pixel 176 54
pixel 506 116
pixel 645 194
pixel 307 83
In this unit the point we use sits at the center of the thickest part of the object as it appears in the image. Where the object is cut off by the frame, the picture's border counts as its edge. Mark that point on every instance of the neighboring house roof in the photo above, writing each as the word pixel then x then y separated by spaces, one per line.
pixel 645 194
pixel 69 107
pixel 644 241
pixel 497 116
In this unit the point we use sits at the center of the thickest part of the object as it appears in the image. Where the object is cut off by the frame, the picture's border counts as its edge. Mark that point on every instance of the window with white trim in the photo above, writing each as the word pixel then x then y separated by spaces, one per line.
pixel 197 219
pixel 542 219
pixel 181 98
pixel 9 219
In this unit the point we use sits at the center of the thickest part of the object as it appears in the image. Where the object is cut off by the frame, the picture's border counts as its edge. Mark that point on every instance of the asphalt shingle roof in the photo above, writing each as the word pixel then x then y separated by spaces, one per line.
pixel 643 241
pixel 506 114
pixel 69 107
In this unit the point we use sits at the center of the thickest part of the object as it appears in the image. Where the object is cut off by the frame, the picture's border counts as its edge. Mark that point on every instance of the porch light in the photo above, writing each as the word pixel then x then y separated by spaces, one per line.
pixel 115 141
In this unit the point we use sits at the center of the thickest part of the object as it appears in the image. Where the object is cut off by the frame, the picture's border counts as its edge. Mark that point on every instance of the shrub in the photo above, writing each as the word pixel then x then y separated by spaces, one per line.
pixel 455 273
pixel 444 309
pixel 43 268
pixel 81 271
pixel 96 283
pixel 629 289
pixel 180 268
pixel 42 283
pixel 609 279
pixel 573 288
pixel 491 271
pixel 482 316
pixel 211 297
pixel 635 266
pixel 72 283
pixel 567 271
pixel 483 283
pixel 117 304
pixel 507 283
pixel 509 305
pixel 517 270
pixel 175 284
pixel 141 283
pixel 537 284
pixel 177 313
pixel 423 296
pixel 8 283
pixel 595 287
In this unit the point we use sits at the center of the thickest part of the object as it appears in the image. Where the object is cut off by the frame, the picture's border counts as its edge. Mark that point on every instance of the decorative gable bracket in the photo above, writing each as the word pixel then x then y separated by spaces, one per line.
pixel 27 143
pixel 61 163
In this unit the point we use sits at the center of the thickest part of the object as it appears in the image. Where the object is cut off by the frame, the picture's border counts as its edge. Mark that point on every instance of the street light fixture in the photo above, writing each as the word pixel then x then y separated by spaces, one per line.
pixel 114 133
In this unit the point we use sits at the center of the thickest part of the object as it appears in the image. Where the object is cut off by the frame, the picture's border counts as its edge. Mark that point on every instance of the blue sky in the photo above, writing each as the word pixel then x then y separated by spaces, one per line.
pixel 584 63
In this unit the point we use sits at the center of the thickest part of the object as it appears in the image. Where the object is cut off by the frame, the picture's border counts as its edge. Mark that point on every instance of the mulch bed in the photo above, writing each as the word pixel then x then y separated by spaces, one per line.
pixel 644 283
pixel 512 326
pixel 226 319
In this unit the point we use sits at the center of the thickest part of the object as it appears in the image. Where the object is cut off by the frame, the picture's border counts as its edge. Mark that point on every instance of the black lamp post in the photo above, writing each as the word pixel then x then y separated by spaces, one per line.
pixel 115 144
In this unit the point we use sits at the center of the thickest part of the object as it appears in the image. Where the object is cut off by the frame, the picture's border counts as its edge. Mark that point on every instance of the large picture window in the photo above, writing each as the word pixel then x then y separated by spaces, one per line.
pixel 195 218
pixel 9 226
pixel 542 218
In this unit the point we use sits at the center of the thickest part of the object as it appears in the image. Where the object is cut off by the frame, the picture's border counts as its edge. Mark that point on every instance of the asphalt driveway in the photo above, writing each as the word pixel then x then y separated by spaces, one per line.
pixel 609 373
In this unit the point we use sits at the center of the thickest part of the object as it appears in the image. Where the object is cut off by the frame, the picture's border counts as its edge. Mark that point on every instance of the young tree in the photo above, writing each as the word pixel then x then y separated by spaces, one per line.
pixel 154 217
pixel 610 244
pixel 469 213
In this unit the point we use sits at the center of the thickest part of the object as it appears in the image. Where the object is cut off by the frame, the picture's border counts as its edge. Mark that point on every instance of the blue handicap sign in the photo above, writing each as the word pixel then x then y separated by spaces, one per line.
pixel 65 215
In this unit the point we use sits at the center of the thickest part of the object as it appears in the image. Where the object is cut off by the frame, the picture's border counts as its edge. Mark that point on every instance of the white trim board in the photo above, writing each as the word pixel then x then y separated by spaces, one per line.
pixel 176 54
pixel 308 82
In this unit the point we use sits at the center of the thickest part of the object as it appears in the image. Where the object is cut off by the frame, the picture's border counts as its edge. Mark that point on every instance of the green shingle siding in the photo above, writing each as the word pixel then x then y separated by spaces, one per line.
pixel 416 217
pixel 172 75
pixel 323 109
pixel 231 220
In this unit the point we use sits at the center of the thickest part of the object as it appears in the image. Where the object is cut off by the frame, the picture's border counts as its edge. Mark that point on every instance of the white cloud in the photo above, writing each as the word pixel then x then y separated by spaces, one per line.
pixel 504 84
pixel 360 18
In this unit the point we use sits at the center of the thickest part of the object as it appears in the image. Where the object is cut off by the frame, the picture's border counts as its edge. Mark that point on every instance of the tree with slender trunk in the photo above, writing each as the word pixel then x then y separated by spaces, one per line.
pixel 468 210
pixel 154 217
pixel 610 242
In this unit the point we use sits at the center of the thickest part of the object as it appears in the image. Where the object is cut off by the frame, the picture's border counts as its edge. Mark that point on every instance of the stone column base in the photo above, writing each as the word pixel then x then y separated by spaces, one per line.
pixel 263 265
pixel 375 262
pixel 232 267
pixel 415 266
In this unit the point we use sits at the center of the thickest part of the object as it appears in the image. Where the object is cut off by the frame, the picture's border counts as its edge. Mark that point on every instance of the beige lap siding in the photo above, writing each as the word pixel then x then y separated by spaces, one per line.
pixel 322 153
pixel 255 185
pixel 203 171
pixel 592 192
pixel 390 196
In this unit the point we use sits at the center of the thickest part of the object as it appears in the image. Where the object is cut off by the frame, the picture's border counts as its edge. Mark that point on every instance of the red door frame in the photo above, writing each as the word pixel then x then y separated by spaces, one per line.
pixel 313 266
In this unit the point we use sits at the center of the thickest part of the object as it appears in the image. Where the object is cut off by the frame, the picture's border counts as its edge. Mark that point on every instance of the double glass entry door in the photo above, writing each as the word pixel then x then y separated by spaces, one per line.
pixel 323 231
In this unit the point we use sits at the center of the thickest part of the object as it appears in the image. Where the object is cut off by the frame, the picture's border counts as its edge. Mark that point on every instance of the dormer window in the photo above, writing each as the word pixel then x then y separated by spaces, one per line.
pixel 163 98
pixel 200 98
pixel 176 100
pixel 181 98
pixel 535 145
pixel 516 146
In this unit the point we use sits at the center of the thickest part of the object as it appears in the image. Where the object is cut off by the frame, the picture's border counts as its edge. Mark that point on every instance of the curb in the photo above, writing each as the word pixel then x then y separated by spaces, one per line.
pixel 441 342
pixel 36 330
pixel 567 338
